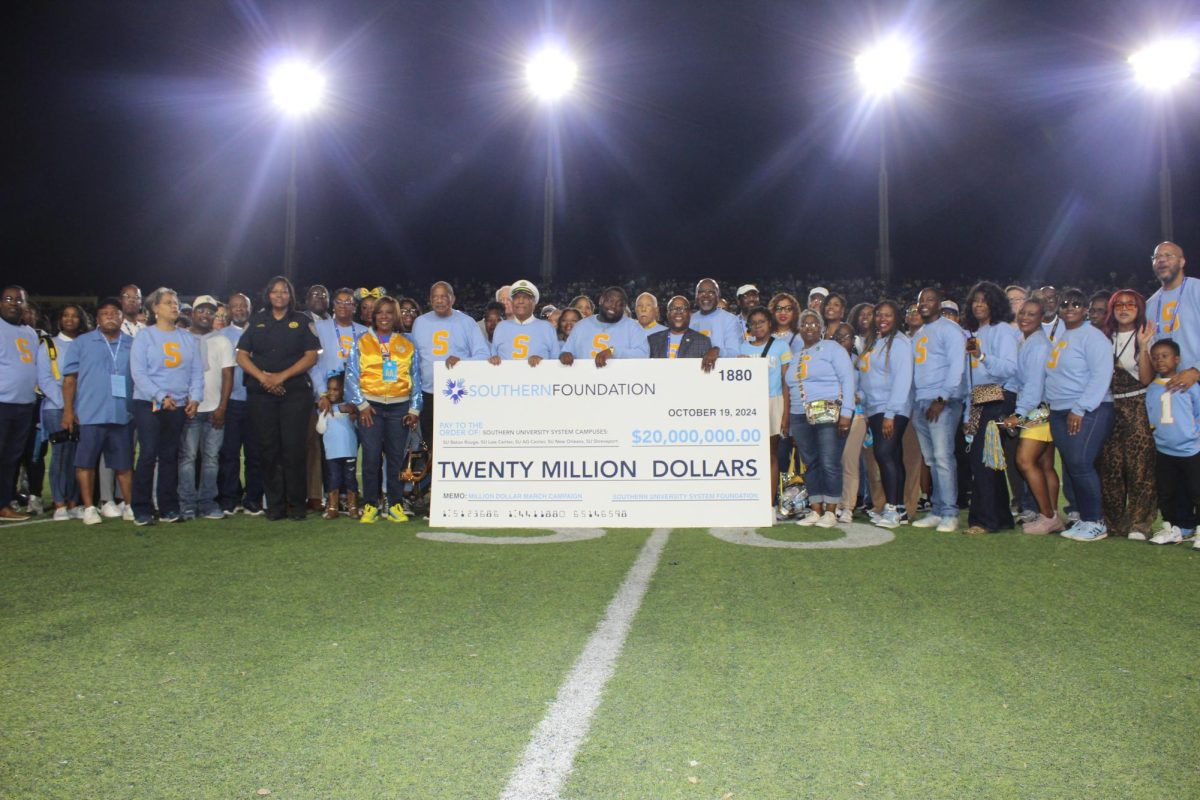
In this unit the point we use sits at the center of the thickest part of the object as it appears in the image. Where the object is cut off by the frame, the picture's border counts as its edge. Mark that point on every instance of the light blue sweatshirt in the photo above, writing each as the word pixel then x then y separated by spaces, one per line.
pixel 726 331
pixel 625 336
pixel 1079 370
pixel 1176 315
pixel 885 378
pixel 827 374
pixel 1031 372
pixel 998 345
pixel 18 363
pixel 438 338
pixel 1175 418
pixel 939 357
pixel 336 344
pixel 517 341
pixel 166 364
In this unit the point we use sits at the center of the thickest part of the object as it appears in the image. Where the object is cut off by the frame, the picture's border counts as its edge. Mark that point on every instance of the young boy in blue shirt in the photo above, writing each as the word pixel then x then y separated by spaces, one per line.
pixel 1175 418
pixel 336 427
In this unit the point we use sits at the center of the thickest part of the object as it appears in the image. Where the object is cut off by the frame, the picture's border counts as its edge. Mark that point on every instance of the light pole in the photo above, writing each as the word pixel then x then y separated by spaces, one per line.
pixel 882 70
pixel 297 89
pixel 1160 67
pixel 550 75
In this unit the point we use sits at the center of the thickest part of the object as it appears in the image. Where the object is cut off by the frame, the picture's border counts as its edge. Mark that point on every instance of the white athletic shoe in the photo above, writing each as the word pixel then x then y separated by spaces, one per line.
pixel 110 510
pixel 75 513
pixel 1170 534
pixel 35 505
pixel 1137 536
pixel 61 514
pixel 827 520
pixel 811 518
pixel 91 516
pixel 127 514
pixel 948 525
pixel 928 521
pixel 845 516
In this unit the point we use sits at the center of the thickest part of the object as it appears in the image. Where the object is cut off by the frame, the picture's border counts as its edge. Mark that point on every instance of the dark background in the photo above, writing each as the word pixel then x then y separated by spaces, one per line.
pixel 725 138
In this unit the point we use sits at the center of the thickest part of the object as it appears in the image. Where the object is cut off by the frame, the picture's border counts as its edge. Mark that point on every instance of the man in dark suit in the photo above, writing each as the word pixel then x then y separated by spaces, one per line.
pixel 680 341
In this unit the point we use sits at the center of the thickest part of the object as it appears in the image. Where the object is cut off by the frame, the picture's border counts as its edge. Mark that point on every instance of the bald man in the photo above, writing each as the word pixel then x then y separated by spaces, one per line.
pixel 1174 311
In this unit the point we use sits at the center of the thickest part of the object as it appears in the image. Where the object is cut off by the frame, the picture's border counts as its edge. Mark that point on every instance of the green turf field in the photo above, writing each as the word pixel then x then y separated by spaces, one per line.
pixel 337 660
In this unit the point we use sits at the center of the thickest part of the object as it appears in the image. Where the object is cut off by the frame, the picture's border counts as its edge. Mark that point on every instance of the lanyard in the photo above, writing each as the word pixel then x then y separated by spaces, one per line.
pixel 115 354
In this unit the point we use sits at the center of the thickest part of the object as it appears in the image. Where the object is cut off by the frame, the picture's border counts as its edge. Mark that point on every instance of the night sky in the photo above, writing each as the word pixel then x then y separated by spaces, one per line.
pixel 726 138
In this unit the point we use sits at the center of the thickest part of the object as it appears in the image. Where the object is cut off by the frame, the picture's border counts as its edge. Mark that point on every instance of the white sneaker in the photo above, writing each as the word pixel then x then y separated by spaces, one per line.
pixel 110 510
pixel 1170 534
pixel 928 521
pixel 75 513
pixel 1137 536
pixel 811 518
pixel 890 518
pixel 127 514
pixel 948 525
pixel 61 514
pixel 845 516
pixel 828 520
pixel 1196 545
pixel 35 505
pixel 91 516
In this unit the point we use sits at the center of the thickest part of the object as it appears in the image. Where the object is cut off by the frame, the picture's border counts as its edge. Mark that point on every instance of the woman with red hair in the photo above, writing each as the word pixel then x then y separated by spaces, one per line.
pixel 1126 464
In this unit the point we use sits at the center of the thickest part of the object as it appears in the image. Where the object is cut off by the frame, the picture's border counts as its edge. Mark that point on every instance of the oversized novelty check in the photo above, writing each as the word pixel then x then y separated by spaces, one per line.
pixel 638 444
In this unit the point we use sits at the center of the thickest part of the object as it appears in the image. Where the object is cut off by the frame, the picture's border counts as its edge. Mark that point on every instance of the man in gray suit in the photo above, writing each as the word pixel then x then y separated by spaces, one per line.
pixel 680 341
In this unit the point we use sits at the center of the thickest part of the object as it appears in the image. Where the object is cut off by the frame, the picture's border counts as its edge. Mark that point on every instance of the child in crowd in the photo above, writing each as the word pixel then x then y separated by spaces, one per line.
pixel 1175 418
pixel 341 450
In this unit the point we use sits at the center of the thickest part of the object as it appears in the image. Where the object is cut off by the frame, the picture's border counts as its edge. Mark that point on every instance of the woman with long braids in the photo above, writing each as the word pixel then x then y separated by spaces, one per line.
pixel 1127 485
pixel 885 381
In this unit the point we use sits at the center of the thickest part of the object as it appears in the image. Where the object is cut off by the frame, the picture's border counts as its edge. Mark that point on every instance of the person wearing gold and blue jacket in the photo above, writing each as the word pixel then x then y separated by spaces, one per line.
pixel 383 380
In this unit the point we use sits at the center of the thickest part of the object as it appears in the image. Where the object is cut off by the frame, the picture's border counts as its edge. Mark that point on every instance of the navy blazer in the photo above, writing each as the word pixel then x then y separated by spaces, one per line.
pixel 693 345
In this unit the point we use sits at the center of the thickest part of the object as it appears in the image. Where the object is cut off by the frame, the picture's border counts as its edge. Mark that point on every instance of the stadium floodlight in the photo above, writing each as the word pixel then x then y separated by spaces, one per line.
pixel 1163 65
pixel 550 74
pixel 297 87
pixel 1160 67
pixel 885 67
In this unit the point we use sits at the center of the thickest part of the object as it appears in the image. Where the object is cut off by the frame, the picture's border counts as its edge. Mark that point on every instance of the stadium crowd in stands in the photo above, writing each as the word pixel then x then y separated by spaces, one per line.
pixel 884 402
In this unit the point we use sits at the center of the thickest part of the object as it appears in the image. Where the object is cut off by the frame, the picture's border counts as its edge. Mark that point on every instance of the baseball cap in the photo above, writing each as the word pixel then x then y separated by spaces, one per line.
pixel 821 290
pixel 526 287
pixel 749 287
pixel 205 299
pixel 950 305
pixel 548 309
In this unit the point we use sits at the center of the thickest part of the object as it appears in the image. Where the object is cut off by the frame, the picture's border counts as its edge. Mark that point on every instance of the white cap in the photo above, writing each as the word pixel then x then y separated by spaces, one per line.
pixel 749 287
pixel 950 305
pixel 206 299
pixel 526 287
pixel 821 290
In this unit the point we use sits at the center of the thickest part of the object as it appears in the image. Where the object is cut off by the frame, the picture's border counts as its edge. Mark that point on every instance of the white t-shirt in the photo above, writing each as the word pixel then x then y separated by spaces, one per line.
pixel 217 352
pixel 1125 347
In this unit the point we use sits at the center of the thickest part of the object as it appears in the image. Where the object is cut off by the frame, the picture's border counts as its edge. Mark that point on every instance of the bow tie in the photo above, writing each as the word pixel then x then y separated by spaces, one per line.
pixel 376 293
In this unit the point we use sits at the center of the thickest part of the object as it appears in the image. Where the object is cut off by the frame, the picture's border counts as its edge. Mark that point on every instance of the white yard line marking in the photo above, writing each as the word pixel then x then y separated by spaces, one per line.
pixel 550 755
pixel 7 525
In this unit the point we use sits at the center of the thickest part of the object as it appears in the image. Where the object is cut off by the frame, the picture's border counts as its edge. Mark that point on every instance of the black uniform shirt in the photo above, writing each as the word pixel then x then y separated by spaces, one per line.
pixel 276 344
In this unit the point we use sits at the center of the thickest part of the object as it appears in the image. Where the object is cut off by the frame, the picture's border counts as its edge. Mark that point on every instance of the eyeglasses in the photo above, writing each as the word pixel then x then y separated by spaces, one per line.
pixel 343 302
pixel 408 312
pixel 843 337
pixel 16 300
pixel 785 308
pixel 1124 304
pixel 1074 304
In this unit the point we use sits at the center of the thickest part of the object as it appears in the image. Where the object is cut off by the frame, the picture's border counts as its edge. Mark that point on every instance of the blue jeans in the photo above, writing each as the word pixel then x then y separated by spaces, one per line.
pixel 1079 454
pixel 158 434
pixel 63 487
pixel 387 435
pixel 820 450
pixel 937 448
pixel 339 474
pixel 201 439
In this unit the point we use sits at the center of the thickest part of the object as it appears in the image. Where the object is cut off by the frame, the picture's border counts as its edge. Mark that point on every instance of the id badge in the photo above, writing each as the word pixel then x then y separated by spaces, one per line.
pixel 118 385
pixel 389 371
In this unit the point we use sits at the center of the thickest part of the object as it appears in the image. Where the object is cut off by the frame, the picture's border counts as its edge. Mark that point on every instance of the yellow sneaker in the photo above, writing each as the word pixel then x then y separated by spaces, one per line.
pixel 396 514
pixel 370 515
